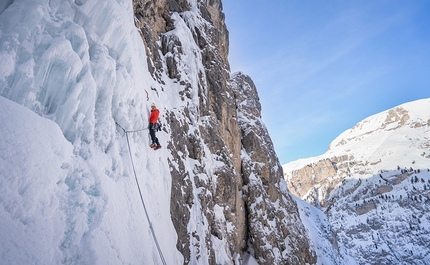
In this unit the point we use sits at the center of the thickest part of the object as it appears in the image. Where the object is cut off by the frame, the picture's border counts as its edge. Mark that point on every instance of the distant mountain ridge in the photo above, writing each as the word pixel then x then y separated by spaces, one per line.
pixel 373 184
pixel 396 137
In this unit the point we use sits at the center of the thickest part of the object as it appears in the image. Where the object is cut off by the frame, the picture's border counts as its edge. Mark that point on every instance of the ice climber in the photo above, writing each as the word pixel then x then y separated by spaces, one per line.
pixel 153 119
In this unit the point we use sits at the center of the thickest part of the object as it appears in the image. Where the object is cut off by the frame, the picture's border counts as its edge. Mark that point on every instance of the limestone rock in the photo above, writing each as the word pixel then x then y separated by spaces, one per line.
pixel 272 214
pixel 234 199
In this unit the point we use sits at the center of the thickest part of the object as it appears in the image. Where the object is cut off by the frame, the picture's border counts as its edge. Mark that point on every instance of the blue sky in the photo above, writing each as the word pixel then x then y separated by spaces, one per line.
pixel 322 66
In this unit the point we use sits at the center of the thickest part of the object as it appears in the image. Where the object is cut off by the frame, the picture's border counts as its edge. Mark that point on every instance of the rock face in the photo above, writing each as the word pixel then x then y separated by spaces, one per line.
pixel 272 216
pixel 373 185
pixel 234 199
pixel 311 176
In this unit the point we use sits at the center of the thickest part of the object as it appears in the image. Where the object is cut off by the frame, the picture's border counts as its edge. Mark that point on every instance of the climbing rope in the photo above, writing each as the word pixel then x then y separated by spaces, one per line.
pixel 130 131
pixel 141 196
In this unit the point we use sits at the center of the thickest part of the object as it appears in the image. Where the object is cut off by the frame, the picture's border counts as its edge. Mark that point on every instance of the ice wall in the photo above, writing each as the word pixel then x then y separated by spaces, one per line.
pixel 81 64
pixel 73 62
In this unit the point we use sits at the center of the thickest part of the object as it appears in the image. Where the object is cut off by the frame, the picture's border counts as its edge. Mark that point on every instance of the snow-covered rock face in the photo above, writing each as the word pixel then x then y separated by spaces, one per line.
pixel 214 193
pixel 218 212
pixel 373 183
pixel 272 214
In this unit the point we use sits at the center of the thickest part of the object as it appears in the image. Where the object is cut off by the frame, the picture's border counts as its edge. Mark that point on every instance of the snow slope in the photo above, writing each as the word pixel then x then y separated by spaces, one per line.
pixel 68 189
pixel 61 208
pixel 320 232
pixel 33 152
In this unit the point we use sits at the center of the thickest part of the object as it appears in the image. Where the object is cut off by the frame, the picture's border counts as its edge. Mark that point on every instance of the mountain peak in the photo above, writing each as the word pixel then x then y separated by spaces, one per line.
pixel 415 114
pixel 373 185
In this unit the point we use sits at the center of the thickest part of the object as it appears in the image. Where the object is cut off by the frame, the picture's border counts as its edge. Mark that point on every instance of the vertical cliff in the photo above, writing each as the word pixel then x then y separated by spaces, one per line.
pixel 272 215
pixel 233 198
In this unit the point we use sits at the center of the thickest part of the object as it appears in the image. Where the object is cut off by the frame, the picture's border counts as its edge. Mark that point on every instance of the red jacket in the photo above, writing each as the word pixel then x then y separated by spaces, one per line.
pixel 154 116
